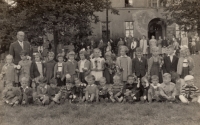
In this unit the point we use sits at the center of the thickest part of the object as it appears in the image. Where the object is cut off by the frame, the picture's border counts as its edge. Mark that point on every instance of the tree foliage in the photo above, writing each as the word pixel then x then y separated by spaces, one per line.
pixel 69 20
pixel 184 13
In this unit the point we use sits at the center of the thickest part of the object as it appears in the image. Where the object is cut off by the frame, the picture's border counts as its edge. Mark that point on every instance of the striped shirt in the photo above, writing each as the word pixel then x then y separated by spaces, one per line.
pixel 117 88
pixel 189 90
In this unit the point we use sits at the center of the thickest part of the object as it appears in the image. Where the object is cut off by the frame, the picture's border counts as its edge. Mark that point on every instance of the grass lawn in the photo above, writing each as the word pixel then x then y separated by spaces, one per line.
pixel 105 113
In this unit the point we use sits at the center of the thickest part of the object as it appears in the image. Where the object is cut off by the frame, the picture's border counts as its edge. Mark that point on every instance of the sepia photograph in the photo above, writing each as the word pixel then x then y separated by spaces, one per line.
pixel 99 62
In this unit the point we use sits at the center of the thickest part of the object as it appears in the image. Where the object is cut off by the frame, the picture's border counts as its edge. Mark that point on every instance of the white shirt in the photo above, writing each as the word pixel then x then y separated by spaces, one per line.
pixel 82 64
pixel 21 44
pixel 60 66
pixel 171 57
pixel 133 45
pixel 185 63
pixel 39 66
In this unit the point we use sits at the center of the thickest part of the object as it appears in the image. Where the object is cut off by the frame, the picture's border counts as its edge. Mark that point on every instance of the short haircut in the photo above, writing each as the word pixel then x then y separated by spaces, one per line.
pixel 166 75
pixel 154 77
pixel 59 55
pixel 90 77
pixel 51 54
pixel 138 49
pixel 116 77
pixel 97 49
pixel 9 56
pixel 154 48
pixel 42 80
pixel 24 79
pixel 102 78
pixel 124 48
pixel 53 81
pixel 130 76
pixel 24 53
pixel 38 55
pixel 175 76
pixel 143 79
pixel 83 52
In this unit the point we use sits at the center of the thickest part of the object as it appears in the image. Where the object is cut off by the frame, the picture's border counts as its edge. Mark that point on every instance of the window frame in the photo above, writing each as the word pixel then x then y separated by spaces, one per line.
pixel 129 29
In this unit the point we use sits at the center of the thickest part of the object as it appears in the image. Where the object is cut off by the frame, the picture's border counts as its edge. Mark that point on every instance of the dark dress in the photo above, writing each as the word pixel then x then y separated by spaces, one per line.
pixel 49 70
pixel 155 70
pixel 107 74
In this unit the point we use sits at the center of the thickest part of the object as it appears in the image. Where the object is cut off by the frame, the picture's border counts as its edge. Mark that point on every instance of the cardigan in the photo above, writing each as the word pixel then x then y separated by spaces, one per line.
pixel 34 72
pixel 86 66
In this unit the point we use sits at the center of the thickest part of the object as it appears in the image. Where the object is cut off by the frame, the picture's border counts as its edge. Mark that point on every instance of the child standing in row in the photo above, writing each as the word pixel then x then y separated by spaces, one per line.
pixel 83 66
pixel 49 65
pixel 71 66
pixel 59 70
pixel 124 63
pixel 25 66
pixel 8 73
pixel 97 65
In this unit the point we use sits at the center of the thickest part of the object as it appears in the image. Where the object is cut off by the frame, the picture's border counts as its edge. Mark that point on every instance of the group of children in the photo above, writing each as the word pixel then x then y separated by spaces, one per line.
pixel 111 79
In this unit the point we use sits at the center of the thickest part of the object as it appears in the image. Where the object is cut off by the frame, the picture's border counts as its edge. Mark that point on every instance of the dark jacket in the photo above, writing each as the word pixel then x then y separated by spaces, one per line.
pixel 169 66
pixel 34 70
pixel 15 50
pixel 140 67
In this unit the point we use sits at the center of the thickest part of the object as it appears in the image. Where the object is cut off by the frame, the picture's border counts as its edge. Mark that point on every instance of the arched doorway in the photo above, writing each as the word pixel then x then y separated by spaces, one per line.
pixel 156 27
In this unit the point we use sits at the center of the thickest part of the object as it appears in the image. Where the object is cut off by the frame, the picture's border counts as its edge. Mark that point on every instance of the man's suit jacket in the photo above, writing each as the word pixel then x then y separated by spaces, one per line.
pixel 169 66
pixel 15 50
pixel 140 67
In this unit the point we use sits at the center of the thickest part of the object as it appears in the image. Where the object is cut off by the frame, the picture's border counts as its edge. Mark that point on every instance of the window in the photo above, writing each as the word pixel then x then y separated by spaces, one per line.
pixel 154 3
pixel 128 3
pixel 129 28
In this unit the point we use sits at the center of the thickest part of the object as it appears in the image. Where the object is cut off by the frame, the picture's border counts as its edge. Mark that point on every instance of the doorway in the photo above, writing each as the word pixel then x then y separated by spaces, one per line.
pixel 156 27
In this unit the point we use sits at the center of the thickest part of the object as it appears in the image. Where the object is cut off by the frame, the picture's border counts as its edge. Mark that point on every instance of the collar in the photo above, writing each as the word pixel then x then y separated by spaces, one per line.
pixel 20 41
pixel 25 88
pixel 124 56
pixel 38 62
pixel 91 85
pixel 83 60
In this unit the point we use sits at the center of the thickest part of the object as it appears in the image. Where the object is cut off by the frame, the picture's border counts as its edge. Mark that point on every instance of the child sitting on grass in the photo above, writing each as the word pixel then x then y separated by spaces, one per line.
pixel 103 89
pixel 91 91
pixel 116 89
pixel 153 92
pixel 27 92
pixel 79 90
pixel 131 89
pixel 11 95
pixel 40 97
pixel 144 89
pixel 167 89
pixel 53 90
pixel 189 93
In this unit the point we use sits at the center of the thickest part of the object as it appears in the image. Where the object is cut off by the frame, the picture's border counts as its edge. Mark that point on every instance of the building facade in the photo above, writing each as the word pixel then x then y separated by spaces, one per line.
pixel 136 18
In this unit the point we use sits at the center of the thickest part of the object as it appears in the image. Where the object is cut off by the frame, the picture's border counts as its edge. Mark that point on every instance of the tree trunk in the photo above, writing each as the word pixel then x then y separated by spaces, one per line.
pixel 55 34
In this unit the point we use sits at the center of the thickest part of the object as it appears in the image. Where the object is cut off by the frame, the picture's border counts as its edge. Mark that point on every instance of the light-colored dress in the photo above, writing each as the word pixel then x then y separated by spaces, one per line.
pixel 159 44
pixel 152 43
pixel 125 63
pixel 9 74
pixel 143 45
pixel 97 63
pixel 25 70
pixel 184 41
pixel 119 44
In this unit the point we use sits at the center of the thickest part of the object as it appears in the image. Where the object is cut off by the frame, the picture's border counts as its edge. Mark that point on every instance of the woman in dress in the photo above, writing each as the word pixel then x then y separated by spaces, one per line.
pixel 152 43
pixel 159 44
pixel 143 45
pixel 119 44
pixel 197 42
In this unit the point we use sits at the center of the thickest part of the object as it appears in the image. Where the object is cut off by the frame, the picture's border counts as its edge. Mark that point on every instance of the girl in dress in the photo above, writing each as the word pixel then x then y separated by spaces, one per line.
pixel 197 42
pixel 152 43
pixel 50 66
pixel 119 44
pixel 110 65
pixel 124 63
pixel 185 63
pixel 155 63
pixel 97 65
pixel 109 47
pixel 143 45
pixel 25 66
pixel 159 44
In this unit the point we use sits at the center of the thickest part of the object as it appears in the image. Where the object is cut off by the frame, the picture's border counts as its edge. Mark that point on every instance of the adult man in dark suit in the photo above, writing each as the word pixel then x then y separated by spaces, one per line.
pixel 139 65
pixel 170 61
pixel 18 46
